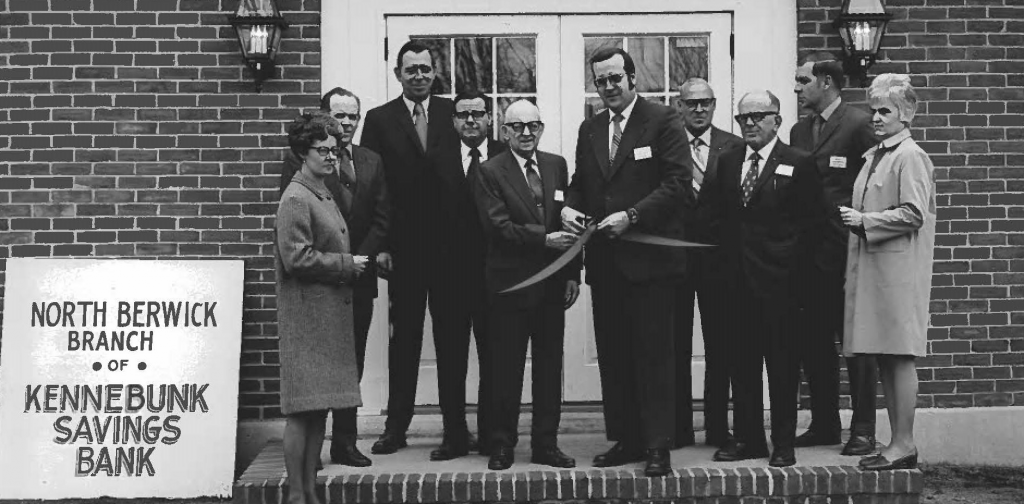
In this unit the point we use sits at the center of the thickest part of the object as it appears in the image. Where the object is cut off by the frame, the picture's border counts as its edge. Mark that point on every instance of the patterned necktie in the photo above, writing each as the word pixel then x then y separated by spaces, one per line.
pixel 751 179
pixel 533 178
pixel 474 162
pixel 346 181
pixel 819 122
pixel 616 137
pixel 419 120
pixel 699 163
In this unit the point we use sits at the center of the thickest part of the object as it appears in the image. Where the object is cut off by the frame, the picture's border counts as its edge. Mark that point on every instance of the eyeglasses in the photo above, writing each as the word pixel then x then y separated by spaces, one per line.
pixel 423 69
pixel 352 117
pixel 703 102
pixel 519 126
pixel 755 116
pixel 881 111
pixel 324 151
pixel 477 114
pixel 600 82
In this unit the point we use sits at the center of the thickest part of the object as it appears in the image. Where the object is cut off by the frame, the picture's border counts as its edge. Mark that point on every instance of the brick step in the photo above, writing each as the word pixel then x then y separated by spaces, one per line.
pixel 822 475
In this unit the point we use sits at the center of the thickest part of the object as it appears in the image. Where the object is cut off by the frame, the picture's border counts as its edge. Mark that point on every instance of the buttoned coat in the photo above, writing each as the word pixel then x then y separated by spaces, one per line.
pixel 314 301
pixel 889 268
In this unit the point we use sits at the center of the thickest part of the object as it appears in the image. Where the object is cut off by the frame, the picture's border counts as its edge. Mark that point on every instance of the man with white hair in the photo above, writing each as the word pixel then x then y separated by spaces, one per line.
pixel 519 194
pixel 765 205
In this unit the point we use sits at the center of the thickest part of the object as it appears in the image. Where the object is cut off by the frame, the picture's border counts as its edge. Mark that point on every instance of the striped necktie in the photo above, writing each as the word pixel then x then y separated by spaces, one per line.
pixel 616 137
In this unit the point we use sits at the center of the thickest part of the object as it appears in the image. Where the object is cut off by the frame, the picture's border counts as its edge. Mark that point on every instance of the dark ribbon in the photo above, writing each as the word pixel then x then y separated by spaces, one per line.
pixel 577 247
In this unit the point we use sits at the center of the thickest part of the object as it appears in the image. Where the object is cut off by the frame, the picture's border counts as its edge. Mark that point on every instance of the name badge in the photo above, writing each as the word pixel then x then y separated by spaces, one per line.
pixel 785 170
pixel 559 195
pixel 642 153
pixel 837 162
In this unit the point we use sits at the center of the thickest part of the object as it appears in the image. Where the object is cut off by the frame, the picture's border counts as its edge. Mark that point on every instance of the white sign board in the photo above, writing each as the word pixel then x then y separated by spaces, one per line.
pixel 119 378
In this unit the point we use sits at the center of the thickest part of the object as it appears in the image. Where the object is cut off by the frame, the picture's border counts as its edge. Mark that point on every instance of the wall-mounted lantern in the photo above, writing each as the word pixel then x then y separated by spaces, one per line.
pixel 861 24
pixel 259 26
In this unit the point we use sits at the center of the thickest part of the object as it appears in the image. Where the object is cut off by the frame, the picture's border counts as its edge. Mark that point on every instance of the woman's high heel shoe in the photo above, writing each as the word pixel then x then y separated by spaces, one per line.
pixel 883 464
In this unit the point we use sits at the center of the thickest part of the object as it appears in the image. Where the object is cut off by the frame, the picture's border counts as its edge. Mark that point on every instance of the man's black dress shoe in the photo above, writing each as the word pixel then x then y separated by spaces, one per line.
pixel 782 457
pixel 737 450
pixel 880 463
pixel 389 442
pixel 619 455
pixel 812 438
pixel 552 456
pixel 859 445
pixel 349 455
pixel 502 458
pixel 659 462
pixel 449 450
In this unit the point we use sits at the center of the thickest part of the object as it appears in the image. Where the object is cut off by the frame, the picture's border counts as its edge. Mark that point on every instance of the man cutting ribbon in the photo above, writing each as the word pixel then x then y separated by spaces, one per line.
pixel 633 173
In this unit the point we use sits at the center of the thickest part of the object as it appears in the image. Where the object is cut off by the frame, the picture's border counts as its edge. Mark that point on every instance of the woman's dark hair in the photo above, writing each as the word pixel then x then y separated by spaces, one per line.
pixel 308 128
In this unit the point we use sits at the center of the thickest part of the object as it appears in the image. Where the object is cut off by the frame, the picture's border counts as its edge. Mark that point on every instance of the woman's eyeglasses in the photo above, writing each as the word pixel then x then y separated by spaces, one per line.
pixel 324 151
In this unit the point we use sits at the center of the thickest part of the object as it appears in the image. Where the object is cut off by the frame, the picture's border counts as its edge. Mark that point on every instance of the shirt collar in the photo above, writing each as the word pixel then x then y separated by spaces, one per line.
pixel 705 137
pixel 411 105
pixel 894 140
pixel 764 152
pixel 467 149
pixel 522 161
pixel 628 111
pixel 831 109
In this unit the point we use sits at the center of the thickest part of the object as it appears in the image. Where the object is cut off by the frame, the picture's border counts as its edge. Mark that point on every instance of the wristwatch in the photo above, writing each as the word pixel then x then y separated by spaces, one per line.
pixel 634 216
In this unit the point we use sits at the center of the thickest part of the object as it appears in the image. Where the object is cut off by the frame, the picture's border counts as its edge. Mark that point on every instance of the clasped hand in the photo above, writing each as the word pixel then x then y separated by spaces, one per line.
pixel 851 217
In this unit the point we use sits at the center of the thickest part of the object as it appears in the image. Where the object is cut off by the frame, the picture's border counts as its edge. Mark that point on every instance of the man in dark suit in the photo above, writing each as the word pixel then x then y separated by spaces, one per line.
pixel 632 172
pixel 520 194
pixel 837 135
pixel 359 189
pixel 696 105
pixel 413 134
pixel 764 206
pixel 472 119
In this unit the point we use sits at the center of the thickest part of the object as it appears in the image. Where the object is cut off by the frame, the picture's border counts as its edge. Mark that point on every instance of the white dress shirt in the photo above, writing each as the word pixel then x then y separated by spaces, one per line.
pixel 764 152
pixel 467 158
pixel 625 119
pixel 411 105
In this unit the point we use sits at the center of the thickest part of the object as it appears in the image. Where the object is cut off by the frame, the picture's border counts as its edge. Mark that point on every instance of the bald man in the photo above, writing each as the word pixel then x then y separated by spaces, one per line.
pixel 764 206
pixel 519 194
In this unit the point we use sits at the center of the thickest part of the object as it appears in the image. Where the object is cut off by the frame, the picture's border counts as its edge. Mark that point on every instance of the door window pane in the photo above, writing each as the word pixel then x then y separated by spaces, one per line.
pixel 517 65
pixel 648 55
pixel 473 64
pixel 688 57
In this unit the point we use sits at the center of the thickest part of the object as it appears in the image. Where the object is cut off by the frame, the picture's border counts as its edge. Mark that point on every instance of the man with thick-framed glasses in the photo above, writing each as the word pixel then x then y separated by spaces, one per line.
pixel 696 104
pixel 633 171
pixel 520 193
pixel 360 191
pixel 764 208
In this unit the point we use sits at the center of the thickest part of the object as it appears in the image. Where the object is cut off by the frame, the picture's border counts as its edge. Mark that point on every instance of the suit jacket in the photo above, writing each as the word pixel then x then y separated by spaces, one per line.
pixel 720 141
pixel 848 135
pixel 423 187
pixel 514 227
pixel 763 243
pixel 367 218
pixel 652 173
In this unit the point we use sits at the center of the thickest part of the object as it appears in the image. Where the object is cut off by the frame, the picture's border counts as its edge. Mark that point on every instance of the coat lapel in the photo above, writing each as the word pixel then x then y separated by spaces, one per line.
pixel 401 115
pixel 635 129
pixel 515 177
pixel 767 170
pixel 436 121
pixel 599 141
pixel 831 125
pixel 549 179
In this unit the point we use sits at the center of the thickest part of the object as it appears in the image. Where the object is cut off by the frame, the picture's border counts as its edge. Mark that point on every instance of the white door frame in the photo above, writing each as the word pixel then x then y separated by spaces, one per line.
pixel 352 55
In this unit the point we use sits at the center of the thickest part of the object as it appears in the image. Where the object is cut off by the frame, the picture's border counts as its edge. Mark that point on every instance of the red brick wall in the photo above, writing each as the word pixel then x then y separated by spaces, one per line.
pixel 966 59
pixel 129 128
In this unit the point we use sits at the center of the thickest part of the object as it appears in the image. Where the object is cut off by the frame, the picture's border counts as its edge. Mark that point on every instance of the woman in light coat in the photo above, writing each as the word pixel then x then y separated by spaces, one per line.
pixel 889 267
pixel 314 303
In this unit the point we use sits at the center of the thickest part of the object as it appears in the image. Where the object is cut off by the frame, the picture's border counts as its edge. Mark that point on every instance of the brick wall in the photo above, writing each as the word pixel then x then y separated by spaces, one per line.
pixel 966 59
pixel 131 128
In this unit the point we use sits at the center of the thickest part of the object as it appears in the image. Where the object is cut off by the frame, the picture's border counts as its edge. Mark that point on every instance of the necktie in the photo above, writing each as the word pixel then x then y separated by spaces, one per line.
pixel 616 137
pixel 419 119
pixel 699 163
pixel 816 126
pixel 533 178
pixel 750 179
pixel 347 181
pixel 474 162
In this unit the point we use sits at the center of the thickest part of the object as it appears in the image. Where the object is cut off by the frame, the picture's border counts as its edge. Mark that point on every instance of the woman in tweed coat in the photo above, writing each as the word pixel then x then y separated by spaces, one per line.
pixel 314 304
